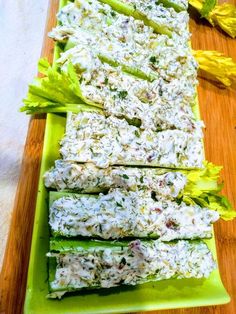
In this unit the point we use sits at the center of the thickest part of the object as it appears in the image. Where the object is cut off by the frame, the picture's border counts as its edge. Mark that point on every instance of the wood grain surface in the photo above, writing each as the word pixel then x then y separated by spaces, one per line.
pixel 218 110
pixel 15 265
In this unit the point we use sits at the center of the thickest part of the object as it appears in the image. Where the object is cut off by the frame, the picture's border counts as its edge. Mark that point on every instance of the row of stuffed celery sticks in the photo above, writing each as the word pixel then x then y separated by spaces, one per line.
pixel 130 115
pixel 146 224
pixel 156 206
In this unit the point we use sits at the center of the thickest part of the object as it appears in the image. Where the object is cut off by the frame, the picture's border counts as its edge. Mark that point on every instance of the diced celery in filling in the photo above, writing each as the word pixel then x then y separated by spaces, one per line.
pixel 137 263
pixel 91 137
pixel 137 214
pixel 88 178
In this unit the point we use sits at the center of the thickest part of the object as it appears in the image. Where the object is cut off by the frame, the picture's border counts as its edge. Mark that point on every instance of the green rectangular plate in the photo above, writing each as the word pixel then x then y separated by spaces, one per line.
pixel 166 294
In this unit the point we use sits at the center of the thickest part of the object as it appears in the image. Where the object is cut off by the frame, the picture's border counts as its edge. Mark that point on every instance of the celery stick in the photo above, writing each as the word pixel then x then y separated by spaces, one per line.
pixel 76 265
pixel 130 10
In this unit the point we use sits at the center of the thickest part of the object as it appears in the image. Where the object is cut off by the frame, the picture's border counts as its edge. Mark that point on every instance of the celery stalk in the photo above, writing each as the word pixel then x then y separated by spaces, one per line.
pixel 144 217
pixel 130 10
pixel 171 4
pixel 128 264
pixel 201 186
pixel 130 70
pixel 55 91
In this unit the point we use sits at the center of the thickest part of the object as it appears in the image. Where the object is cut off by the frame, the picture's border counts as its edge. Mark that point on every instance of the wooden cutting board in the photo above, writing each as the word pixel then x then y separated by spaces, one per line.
pixel 218 110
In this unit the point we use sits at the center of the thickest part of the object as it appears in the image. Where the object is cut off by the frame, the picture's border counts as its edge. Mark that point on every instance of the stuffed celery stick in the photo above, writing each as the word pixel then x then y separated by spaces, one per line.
pixel 124 40
pixel 152 8
pixel 76 265
pixel 88 178
pixel 97 16
pixel 122 214
pixel 141 11
pixel 162 62
pixel 199 187
pixel 152 62
pixel 91 137
pixel 158 105
pixel 128 10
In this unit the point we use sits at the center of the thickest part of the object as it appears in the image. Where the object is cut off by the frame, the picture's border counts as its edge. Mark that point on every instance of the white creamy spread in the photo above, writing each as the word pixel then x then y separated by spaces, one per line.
pixel 127 40
pixel 91 137
pixel 137 214
pixel 158 58
pixel 154 9
pixel 97 14
pixel 162 61
pixel 95 29
pixel 158 104
pixel 137 263
pixel 141 202
pixel 89 178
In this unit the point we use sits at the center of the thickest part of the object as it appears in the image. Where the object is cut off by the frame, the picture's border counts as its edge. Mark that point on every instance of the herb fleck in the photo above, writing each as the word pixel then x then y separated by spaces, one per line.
pixel 125 176
pixel 123 94
pixel 106 80
pixel 153 59
pixel 122 263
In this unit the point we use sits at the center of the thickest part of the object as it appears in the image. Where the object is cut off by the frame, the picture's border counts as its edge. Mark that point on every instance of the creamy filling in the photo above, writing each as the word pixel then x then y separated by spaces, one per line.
pixel 156 58
pixel 94 28
pixel 158 105
pixel 88 178
pixel 127 40
pixel 154 9
pixel 137 263
pixel 91 137
pixel 137 214
pixel 94 14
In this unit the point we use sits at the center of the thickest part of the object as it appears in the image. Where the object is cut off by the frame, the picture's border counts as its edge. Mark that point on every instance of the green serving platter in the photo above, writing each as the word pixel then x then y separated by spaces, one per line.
pixel 166 294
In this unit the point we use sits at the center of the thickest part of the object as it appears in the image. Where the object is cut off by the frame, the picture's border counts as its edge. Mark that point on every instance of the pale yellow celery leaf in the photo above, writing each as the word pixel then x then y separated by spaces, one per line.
pixel 224 15
pixel 217 65
pixel 197 4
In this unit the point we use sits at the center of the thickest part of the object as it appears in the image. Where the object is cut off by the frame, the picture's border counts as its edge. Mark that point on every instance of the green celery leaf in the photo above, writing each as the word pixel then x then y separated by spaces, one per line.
pixel 203 188
pixel 55 91
pixel 208 6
